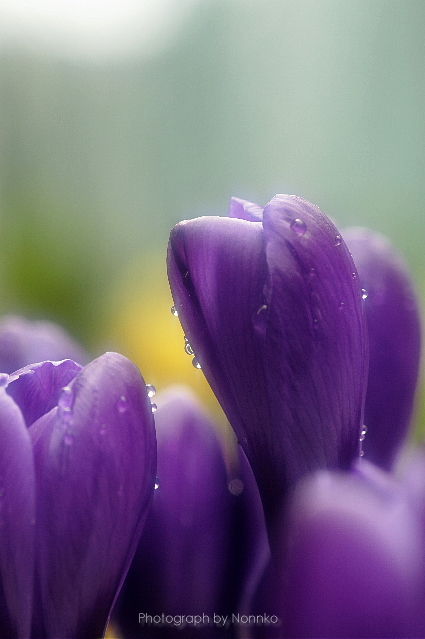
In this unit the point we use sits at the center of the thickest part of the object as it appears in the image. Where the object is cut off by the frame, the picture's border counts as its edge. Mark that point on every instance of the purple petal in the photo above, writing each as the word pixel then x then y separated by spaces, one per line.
pixel 17 518
pixel 245 210
pixel 37 387
pixel 393 322
pixel 354 563
pixel 95 466
pixel 273 313
pixel 23 342
pixel 197 549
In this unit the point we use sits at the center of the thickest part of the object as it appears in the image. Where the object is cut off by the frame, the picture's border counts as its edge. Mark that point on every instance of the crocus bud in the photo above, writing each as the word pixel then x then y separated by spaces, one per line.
pixel 78 466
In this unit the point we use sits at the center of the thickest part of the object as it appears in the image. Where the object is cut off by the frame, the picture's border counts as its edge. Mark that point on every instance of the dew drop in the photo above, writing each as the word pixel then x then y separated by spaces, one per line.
pixel 150 390
pixel 298 226
pixel 188 349
pixel 122 404
pixel 341 306
pixel 195 363
pixel 156 483
pixel 236 486
pixel 262 309
pixel 315 324
pixel 338 240
pixel 354 276
pixel 174 311
pixel 364 294
pixel 154 408
pixel 4 378
pixel 362 453
pixel 65 400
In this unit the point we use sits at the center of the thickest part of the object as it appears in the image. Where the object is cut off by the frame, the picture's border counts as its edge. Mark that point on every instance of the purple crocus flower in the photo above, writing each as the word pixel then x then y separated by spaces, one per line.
pixel 204 541
pixel 23 342
pixel 78 465
pixel 271 304
pixel 283 324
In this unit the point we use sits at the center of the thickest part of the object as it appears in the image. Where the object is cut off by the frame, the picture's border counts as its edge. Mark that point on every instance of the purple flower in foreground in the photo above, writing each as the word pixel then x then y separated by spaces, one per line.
pixel 272 307
pixel 78 465
pixel 23 342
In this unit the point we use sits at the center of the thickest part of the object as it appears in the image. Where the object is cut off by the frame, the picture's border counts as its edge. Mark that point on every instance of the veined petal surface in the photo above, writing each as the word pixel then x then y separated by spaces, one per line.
pixel 36 388
pixel 394 326
pixel 273 311
pixel 95 468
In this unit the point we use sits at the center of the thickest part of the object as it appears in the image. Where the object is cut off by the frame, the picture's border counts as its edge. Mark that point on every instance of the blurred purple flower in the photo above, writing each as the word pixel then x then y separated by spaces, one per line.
pixel 78 465
pixel 23 342
pixel 204 540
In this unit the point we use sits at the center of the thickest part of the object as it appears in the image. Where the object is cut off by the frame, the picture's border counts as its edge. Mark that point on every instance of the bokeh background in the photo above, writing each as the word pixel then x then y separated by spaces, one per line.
pixel 119 118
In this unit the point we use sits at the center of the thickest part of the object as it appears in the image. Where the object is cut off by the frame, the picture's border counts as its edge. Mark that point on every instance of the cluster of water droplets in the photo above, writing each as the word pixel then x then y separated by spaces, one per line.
pixel 362 438
pixel 187 346
pixel 151 391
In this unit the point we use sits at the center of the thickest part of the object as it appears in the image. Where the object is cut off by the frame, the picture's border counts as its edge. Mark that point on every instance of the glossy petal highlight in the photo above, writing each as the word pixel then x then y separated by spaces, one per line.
pixel 393 322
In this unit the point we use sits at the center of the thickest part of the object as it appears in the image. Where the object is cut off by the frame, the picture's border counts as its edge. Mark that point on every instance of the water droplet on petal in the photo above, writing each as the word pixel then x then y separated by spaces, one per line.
pixel 4 378
pixel 156 483
pixel 188 349
pixel 174 311
pixel 354 276
pixel 154 408
pixel 298 226
pixel 341 306
pixel 150 390
pixel 236 486
pixel 65 400
pixel 361 453
pixel 338 240
pixel 122 405
pixel 364 294
pixel 195 363
pixel 262 309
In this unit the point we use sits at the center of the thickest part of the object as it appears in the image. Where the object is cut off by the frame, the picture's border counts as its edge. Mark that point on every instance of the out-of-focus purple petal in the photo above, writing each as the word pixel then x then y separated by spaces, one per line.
pixel 17 521
pixel 393 322
pixel 354 563
pixel 95 468
pixel 194 557
pixel 245 210
pixel 24 342
pixel 36 388
pixel 273 312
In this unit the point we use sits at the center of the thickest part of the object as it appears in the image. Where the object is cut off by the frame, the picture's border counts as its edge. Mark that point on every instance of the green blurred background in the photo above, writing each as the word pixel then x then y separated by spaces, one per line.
pixel 110 137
